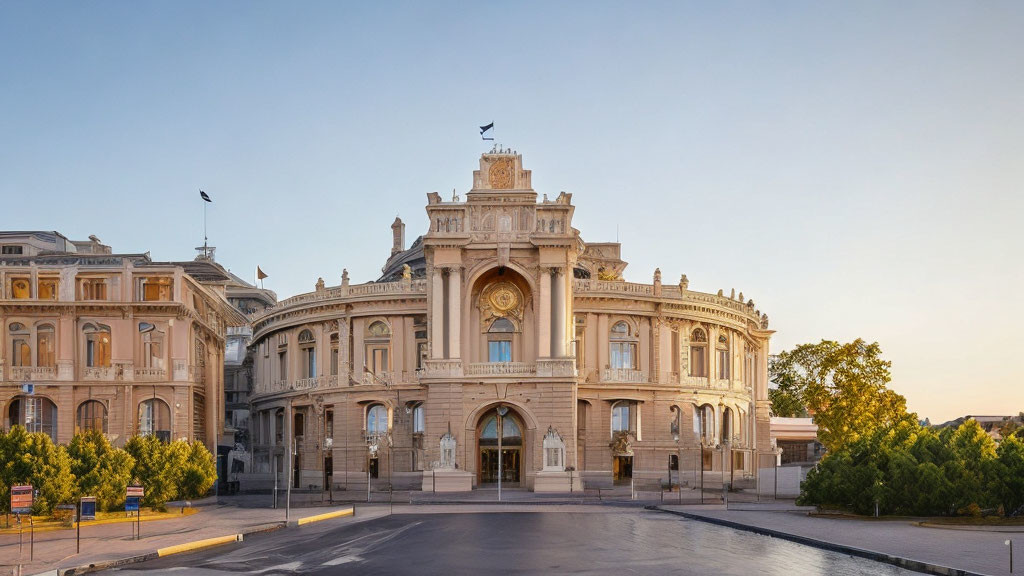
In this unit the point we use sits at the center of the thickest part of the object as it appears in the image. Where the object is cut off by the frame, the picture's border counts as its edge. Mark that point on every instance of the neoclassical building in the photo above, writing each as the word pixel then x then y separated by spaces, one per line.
pixel 112 342
pixel 501 340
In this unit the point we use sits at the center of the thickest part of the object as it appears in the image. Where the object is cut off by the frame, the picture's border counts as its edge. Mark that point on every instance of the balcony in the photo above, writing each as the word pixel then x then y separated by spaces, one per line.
pixel 32 373
pixel 623 375
pixel 99 373
pixel 307 383
pixel 150 374
pixel 441 369
pixel 500 369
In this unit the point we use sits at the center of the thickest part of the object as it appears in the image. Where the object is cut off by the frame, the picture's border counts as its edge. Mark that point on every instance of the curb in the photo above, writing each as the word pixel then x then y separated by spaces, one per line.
pixel 907 563
pixel 350 511
pixel 198 545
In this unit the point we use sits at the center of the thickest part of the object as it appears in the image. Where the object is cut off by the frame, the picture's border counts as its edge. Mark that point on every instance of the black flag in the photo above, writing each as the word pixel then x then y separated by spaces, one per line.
pixel 205 196
pixel 484 129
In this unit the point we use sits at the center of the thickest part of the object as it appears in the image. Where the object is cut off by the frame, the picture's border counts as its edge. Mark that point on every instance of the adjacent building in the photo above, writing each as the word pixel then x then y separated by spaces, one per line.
pixel 501 344
pixel 112 342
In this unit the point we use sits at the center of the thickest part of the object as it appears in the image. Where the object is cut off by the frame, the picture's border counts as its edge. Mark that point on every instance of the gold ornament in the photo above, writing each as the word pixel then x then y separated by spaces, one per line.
pixel 500 174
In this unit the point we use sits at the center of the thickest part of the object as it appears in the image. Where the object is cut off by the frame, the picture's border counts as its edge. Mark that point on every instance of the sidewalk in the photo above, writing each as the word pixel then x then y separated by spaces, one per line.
pixel 939 551
pixel 110 542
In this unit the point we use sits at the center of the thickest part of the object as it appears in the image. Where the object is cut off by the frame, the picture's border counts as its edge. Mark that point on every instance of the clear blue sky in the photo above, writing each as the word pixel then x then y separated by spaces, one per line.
pixel 856 168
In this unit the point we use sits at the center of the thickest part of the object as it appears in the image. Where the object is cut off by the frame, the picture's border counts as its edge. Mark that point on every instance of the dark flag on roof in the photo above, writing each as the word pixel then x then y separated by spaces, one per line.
pixel 260 273
pixel 484 129
pixel 205 196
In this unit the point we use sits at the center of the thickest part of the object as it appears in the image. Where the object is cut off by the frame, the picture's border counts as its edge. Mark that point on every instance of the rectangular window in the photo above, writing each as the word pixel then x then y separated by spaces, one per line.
pixel 723 364
pixel 698 362
pixel 378 359
pixel 22 353
pixel 155 289
pixel 282 364
pixel 334 361
pixel 623 355
pixel 329 424
pixel 418 424
pixel 48 289
pixel 20 288
pixel 499 351
pixel 675 351
pixel 11 249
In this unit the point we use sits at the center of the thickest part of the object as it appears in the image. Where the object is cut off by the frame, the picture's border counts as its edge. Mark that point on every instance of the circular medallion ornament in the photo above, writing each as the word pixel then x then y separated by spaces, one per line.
pixel 503 299
pixel 500 174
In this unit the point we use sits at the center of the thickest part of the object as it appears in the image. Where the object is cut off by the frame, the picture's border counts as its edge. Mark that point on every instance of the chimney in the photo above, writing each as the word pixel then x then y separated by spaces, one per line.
pixel 397 236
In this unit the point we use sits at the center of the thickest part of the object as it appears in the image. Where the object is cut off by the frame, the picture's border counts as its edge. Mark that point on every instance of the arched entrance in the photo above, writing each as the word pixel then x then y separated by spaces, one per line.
pixel 500 436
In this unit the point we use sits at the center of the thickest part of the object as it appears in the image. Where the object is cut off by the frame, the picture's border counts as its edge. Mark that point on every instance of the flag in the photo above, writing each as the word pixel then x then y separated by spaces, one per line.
pixel 484 129
pixel 260 273
pixel 205 196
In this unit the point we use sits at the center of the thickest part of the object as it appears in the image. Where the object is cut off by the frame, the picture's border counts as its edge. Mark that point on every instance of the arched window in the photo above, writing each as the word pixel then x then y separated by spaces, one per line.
pixel 727 425
pixel 45 349
pixel 97 345
pixel 622 347
pixel 625 415
pixel 35 413
pixel 704 423
pixel 723 357
pixel 21 348
pixel 155 418
pixel 376 420
pixel 92 415
pixel 378 347
pixel 698 353
pixel 511 434
pixel 499 340
pixel 152 346
pixel 307 352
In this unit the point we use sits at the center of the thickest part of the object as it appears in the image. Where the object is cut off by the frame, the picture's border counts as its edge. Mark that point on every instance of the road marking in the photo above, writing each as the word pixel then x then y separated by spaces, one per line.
pixel 343 560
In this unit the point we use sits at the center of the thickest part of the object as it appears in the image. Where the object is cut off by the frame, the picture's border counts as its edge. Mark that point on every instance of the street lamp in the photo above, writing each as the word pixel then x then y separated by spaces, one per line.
pixel 502 410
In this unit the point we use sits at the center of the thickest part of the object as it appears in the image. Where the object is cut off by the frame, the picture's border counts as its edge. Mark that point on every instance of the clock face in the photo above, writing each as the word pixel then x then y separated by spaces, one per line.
pixel 500 174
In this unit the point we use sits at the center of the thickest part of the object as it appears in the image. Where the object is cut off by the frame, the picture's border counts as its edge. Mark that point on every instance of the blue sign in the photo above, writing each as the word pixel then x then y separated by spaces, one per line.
pixel 131 504
pixel 27 388
pixel 88 508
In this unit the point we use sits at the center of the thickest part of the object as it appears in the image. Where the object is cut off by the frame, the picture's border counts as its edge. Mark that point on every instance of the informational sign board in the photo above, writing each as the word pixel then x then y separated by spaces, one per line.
pixel 28 388
pixel 88 508
pixel 21 499
pixel 131 504
pixel 135 491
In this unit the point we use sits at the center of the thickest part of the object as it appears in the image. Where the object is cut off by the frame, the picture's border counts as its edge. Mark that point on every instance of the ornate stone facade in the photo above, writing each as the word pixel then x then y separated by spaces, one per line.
pixel 115 342
pixel 502 333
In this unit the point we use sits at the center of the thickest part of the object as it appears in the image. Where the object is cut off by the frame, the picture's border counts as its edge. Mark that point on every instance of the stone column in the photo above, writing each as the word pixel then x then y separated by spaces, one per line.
pixel 558 313
pixel 544 316
pixel 437 315
pixel 454 311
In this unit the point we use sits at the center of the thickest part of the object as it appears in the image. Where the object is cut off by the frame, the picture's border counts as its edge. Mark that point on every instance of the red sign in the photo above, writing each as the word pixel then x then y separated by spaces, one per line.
pixel 134 491
pixel 21 499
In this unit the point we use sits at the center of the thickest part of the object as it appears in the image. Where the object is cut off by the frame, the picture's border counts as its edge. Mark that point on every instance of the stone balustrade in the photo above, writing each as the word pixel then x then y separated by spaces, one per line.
pixel 32 373
pixel 99 373
pixel 418 286
pixel 307 383
pixel 556 367
pixel 441 369
pixel 623 375
pixel 150 374
pixel 500 369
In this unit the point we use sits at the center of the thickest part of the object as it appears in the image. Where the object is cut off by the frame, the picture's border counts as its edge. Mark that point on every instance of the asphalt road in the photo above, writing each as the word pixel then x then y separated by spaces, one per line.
pixel 608 541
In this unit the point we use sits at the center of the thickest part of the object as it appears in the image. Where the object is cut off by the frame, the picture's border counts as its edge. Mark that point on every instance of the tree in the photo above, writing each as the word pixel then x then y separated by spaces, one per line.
pixel 102 470
pixel 33 458
pixel 198 473
pixel 842 385
pixel 156 468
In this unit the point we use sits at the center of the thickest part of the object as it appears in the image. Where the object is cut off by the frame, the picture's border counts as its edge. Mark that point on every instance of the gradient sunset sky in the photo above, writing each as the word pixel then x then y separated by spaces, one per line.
pixel 856 168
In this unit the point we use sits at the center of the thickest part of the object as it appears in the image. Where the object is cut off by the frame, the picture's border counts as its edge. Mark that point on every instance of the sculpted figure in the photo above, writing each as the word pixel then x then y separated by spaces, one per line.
pixel 319 284
pixel 684 282
pixel 406 272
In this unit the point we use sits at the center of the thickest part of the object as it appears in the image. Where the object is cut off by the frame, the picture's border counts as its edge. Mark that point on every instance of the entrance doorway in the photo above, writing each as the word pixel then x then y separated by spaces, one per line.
pixel 622 468
pixel 495 424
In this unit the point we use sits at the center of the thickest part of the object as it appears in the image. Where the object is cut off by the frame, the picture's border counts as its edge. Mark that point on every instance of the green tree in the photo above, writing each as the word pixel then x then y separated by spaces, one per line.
pixel 102 470
pixel 157 468
pixel 33 458
pixel 842 385
pixel 1009 486
pixel 199 472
